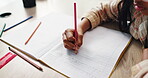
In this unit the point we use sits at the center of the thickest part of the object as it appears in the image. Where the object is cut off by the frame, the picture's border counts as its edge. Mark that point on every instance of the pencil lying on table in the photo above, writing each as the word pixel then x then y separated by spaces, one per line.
pixel 26 59
pixel 18 24
pixel 32 33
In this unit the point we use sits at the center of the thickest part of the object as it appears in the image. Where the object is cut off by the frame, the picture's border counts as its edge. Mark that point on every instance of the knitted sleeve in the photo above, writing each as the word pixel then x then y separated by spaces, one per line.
pixel 102 13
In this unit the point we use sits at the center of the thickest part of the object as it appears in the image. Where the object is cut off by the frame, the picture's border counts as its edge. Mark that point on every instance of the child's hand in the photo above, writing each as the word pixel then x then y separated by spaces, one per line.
pixel 140 70
pixel 70 41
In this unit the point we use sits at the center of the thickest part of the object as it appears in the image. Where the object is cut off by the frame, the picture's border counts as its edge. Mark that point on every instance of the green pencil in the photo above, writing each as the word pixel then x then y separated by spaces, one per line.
pixel 3 30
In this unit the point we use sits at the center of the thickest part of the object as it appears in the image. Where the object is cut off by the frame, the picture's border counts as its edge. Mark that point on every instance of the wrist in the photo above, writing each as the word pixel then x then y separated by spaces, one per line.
pixel 84 26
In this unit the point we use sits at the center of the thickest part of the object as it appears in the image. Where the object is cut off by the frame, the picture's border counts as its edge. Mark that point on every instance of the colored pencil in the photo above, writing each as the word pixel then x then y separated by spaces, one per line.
pixel 75 26
pixel 18 23
pixel 32 33
pixel 26 59
pixel 26 53
pixel 2 30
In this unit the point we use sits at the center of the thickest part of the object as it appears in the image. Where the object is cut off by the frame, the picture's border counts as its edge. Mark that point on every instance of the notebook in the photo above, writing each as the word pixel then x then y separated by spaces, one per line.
pixel 102 47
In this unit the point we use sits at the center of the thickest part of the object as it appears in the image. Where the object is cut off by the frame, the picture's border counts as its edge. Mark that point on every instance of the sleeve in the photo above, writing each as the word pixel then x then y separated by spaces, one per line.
pixel 102 13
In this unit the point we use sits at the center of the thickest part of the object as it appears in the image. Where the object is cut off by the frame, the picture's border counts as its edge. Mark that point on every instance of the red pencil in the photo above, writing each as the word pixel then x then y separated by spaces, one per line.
pixel 75 26
pixel 32 33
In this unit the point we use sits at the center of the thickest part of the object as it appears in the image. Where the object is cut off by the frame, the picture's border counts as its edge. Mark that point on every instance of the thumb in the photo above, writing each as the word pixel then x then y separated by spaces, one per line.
pixel 80 40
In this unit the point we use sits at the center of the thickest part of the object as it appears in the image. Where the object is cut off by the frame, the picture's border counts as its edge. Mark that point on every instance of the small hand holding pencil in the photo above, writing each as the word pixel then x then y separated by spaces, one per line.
pixel 70 41
pixel 72 38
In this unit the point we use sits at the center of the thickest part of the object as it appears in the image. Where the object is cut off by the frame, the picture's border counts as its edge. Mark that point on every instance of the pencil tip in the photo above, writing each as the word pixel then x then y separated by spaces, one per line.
pixel 41 69
pixel 9 48
pixel 76 51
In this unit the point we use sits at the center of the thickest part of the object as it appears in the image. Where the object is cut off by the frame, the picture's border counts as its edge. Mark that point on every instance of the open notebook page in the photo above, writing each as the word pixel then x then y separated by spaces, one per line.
pixel 96 58
pixel 51 28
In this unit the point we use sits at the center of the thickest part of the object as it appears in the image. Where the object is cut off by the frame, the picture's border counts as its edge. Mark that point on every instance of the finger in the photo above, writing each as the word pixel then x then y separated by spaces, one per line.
pixel 136 68
pixel 146 75
pixel 69 45
pixel 64 37
pixel 76 51
pixel 142 73
pixel 80 40
pixel 70 35
pixel 143 64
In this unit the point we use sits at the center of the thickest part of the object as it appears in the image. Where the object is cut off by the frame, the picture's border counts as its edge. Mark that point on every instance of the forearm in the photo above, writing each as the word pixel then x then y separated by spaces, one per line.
pixel 84 26
pixel 102 13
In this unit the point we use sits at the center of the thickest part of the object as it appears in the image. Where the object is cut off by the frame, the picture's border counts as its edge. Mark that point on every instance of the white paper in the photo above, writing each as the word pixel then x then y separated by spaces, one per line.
pixel 51 28
pixel 96 58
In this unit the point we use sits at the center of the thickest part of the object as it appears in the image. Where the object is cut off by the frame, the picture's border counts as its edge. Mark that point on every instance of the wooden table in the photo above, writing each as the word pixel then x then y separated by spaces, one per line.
pixel 19 68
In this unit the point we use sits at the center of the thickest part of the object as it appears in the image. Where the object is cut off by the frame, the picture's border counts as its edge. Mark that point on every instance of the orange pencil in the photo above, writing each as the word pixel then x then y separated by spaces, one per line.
pixel 32 33
pixel 27 60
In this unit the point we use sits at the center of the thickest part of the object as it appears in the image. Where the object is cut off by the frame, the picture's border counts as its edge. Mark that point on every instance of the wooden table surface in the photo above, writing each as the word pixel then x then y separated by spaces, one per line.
pixel 19 68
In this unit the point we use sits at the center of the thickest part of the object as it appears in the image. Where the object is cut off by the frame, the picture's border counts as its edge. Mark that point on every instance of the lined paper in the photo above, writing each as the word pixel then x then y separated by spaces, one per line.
pixel 95 59
pixel 51 29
